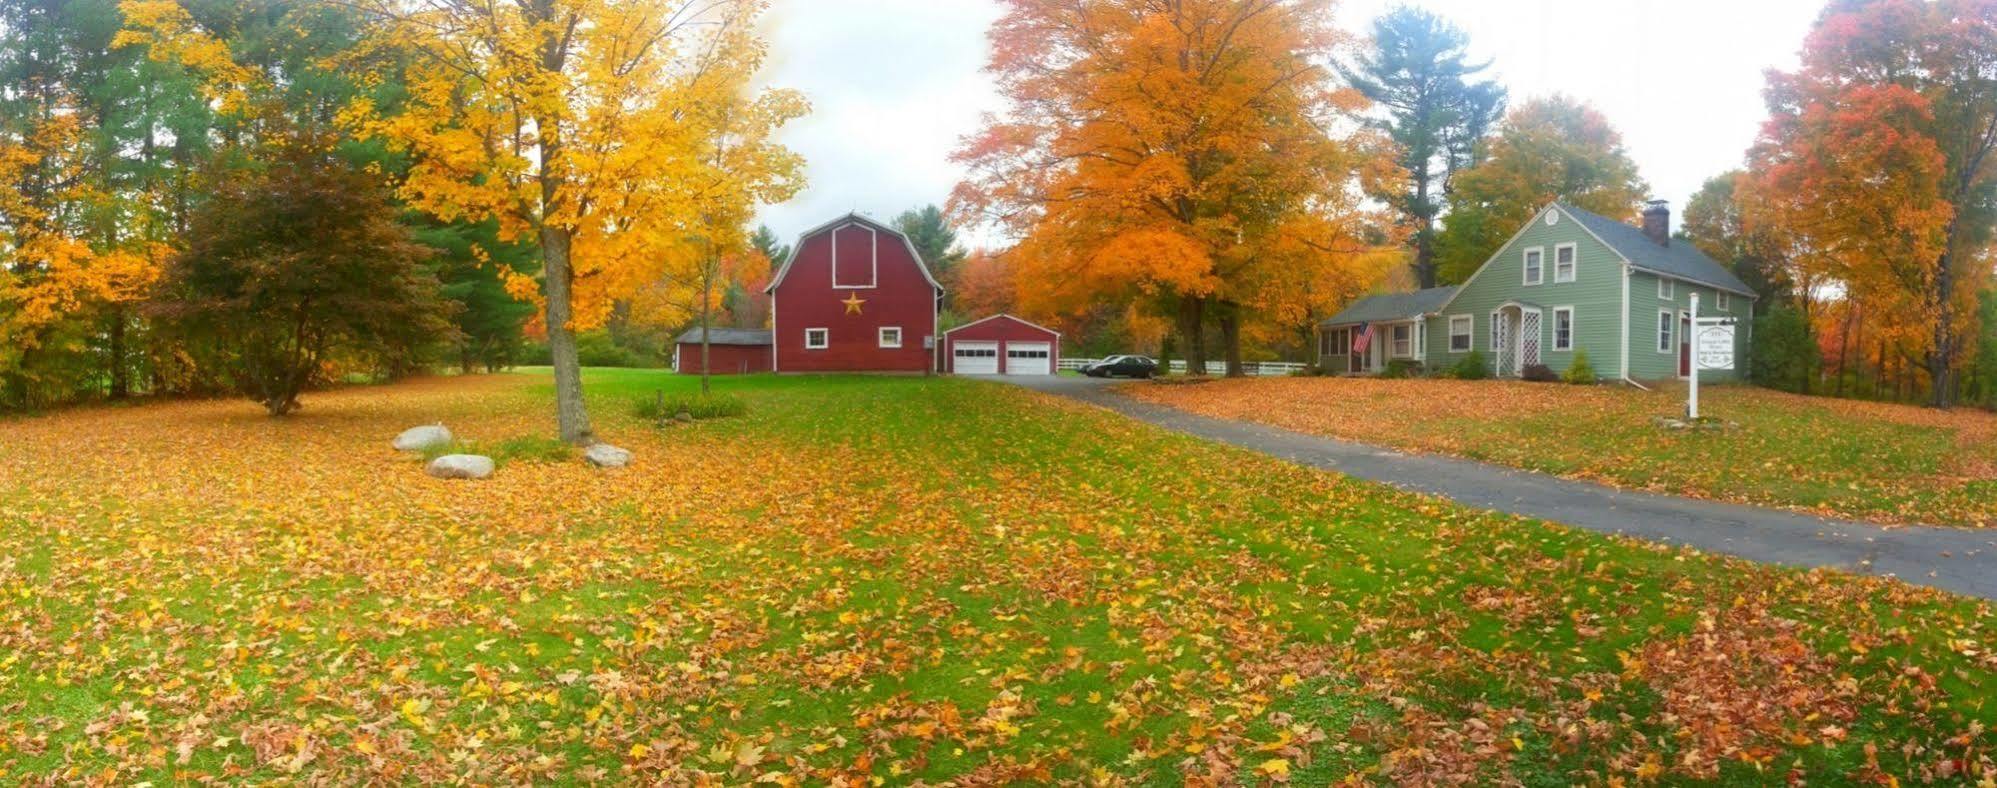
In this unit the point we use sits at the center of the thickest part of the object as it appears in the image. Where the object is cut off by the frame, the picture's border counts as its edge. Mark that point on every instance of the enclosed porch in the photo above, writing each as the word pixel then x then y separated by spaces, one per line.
pixel 1348 350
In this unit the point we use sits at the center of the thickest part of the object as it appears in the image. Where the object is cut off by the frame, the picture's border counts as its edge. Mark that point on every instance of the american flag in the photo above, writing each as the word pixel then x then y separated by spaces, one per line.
pixel 1363 339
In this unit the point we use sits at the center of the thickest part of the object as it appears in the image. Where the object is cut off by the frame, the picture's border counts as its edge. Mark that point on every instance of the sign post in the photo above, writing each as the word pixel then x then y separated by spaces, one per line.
pixel 1712 348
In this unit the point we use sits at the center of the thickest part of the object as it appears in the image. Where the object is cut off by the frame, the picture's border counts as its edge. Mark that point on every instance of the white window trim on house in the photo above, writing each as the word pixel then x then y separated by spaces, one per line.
pixel 1394 340
pixel 1494 331
pixel 1667 331
pixel 1667 289
pixel 885 341
pixel 1573 262
pixel 1469 333
pixel 1529 274
pixel 824 336
pixel 1571 326
pixel 1723 301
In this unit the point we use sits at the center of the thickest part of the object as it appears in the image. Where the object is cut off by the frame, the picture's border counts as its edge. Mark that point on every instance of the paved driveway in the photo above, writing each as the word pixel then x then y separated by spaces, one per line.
pixel 1960 560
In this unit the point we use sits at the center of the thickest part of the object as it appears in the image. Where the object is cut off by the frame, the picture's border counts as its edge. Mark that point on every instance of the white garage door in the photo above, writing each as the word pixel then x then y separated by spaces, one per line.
pixel 1029 358
pixel 974 358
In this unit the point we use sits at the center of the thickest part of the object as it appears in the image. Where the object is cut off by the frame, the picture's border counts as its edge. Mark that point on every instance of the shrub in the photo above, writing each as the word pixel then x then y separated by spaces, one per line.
pixel 1471 367
pixel 1401 368
pixel 663 406
pixel 1785 354
pixel 1540 373
pixel 1579 371
pixel 299 266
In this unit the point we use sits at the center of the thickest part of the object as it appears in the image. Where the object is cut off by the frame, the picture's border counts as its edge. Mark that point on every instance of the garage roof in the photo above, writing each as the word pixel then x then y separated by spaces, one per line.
pixel 727 336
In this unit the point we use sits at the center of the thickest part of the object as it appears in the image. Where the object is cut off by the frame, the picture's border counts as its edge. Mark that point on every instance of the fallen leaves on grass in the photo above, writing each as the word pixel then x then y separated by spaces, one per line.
pixel 1878 461
pixel 893 581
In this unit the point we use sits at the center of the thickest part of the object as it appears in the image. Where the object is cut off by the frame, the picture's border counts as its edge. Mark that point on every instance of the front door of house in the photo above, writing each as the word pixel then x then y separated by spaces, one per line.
pixel 1684 346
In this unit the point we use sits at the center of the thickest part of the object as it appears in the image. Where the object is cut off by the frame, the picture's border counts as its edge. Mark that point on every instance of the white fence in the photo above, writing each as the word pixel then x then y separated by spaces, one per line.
pixel 1259 368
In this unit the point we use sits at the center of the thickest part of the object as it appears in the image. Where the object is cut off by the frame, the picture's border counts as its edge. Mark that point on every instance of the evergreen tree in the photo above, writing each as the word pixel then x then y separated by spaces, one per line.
pixel 933 238
pixel 1416 70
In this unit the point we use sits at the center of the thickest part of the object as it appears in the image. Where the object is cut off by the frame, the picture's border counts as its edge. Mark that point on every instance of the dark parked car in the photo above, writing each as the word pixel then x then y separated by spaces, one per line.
pixel 1122 366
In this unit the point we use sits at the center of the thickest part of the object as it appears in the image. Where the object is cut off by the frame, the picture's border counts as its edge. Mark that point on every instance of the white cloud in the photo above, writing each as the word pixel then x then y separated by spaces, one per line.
pixel 895 84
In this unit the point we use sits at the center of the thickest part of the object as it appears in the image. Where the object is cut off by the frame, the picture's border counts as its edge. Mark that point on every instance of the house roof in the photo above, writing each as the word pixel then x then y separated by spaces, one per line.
pixel 851 218
pixel 726 336
pixel 1013 318
pixel 1679 259
pixel 1392 306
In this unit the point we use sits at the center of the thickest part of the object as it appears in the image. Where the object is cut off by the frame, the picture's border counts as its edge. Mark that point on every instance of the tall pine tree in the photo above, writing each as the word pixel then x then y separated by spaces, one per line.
pixel 1417 72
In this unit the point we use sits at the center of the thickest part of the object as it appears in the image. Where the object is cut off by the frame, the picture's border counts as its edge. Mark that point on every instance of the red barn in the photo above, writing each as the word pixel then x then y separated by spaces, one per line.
pixel 854 296
pixel 730 351
pixel 1002 345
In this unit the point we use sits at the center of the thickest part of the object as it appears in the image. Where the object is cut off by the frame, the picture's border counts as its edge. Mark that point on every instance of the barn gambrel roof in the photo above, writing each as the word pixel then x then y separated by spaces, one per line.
pixel 852 218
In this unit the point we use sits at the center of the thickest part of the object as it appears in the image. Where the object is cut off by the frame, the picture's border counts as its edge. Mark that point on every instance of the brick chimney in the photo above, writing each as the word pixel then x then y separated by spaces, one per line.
pixel 1657 221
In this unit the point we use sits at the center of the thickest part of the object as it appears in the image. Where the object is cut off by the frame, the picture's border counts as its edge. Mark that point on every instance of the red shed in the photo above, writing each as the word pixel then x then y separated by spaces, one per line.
pixel 730 351
pixel 854 296
pixel 1002 345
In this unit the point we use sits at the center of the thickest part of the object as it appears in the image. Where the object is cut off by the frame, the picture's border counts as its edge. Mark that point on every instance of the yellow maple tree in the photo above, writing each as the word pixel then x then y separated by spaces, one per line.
pixel 588 127
pixel 54 264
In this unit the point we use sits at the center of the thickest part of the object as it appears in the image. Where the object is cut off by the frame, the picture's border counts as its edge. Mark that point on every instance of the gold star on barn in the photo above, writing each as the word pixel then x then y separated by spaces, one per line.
pixel 853 303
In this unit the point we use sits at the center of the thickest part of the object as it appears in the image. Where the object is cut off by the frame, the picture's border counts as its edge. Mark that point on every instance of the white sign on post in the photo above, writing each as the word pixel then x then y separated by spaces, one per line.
pixel 1712 348
pixel 1715 346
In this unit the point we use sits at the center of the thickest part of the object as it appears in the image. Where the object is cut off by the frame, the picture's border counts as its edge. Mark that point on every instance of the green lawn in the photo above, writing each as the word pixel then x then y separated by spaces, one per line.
pixel 892 579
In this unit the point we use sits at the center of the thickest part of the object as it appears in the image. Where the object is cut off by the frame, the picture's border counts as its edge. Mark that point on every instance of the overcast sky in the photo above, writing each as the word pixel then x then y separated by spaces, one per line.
pixel 895 83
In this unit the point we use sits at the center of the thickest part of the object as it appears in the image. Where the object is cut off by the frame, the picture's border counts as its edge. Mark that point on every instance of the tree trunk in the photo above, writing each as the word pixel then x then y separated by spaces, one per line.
pixel 706 319
pixel 1424 240
pixel 570 417
pixel 1941 358
pixel 1192 325
pixel 1844 344
pixel 121 382
pixel 1229 316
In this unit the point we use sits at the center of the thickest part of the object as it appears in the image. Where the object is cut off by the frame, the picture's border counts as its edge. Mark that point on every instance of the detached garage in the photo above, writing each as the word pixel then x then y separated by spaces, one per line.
pixel 730 351
pixel 1001 345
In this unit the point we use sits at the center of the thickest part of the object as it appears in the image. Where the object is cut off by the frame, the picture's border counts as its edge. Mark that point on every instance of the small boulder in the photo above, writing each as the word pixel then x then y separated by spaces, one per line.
pixel 420 438
pixel 604 455
pixel 683 417
pixel 460 466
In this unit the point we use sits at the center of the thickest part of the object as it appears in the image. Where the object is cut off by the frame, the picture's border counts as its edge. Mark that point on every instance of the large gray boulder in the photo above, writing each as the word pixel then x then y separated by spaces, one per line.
pixel 420 438
pixel 604 455
pixel 460 466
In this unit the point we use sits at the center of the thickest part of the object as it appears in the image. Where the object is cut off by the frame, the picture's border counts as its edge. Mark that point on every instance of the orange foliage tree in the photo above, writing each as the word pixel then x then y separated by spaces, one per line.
pixel 57 260
pixel 1193 155
pixel 983 284
pixel 1878 166
pixel 1547 148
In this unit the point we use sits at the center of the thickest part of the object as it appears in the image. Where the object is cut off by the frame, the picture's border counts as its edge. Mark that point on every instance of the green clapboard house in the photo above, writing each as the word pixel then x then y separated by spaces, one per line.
pixel 1570 280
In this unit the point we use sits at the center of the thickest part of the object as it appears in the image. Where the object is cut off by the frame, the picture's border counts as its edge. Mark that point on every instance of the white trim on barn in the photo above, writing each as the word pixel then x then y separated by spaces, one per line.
pixel 997 316
pixel 798 246
pixel 873 258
